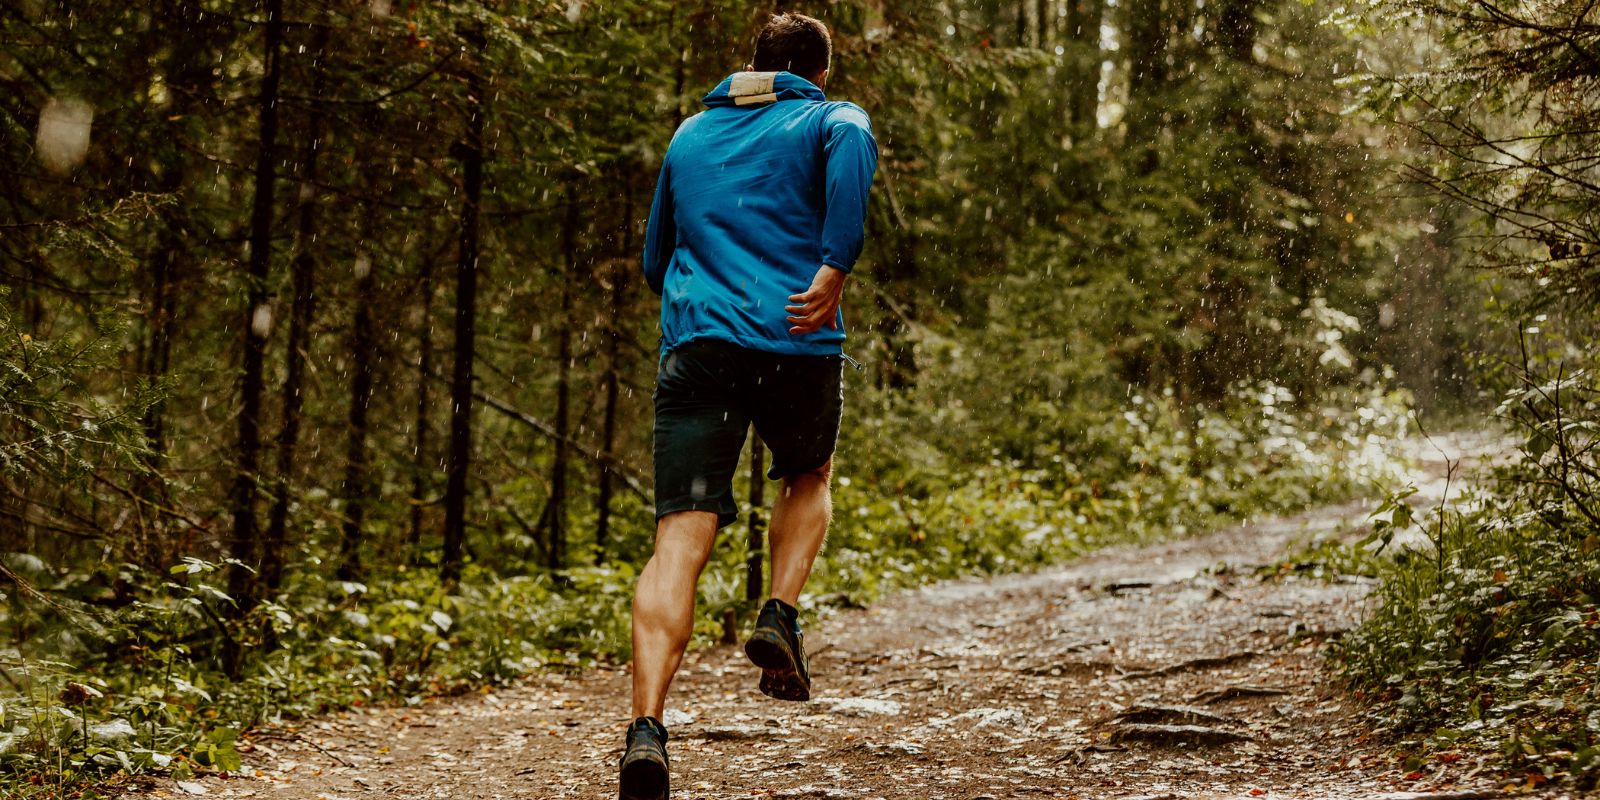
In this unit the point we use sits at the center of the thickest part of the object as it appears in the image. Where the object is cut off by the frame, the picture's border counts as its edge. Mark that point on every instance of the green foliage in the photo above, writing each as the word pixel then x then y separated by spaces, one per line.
pixel 1488 624
pixel 1086 325
pixel 1506 99
pixel 161 693
pixel 52 425
pixel 1489 621
pixel 1394 515
pixel 1141 472
pixel 908 516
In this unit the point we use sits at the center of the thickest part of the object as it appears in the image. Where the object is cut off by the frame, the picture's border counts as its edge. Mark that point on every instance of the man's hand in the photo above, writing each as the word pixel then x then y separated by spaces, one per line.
pixel 818 305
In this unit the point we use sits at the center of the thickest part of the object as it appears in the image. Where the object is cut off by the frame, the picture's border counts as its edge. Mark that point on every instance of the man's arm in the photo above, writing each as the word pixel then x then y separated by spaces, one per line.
pixel 661 233
pixel 852 156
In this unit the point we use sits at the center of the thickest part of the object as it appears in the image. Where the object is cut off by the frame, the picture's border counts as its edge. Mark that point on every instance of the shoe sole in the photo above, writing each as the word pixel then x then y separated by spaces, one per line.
pixel 643 778
pixel 780 673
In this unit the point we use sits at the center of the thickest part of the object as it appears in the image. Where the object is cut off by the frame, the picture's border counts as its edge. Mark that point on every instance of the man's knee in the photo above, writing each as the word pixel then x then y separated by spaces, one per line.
pixel 686 534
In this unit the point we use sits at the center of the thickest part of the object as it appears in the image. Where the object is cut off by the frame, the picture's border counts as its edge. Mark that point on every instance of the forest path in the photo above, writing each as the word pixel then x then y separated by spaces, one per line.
pixel 1179 669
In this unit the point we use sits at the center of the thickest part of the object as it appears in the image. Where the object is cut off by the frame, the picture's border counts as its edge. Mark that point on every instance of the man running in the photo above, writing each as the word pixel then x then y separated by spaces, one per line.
pixel 758 218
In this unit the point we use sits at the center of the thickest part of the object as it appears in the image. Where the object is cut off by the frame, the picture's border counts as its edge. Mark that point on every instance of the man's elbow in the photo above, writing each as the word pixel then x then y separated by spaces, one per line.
pixel 654 276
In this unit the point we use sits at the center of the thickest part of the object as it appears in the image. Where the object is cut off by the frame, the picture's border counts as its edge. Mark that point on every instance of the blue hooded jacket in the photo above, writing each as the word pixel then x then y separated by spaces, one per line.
pixel 756 193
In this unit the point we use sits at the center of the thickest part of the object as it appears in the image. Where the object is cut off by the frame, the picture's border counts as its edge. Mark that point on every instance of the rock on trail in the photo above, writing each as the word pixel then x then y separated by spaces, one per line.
pixel 1168 670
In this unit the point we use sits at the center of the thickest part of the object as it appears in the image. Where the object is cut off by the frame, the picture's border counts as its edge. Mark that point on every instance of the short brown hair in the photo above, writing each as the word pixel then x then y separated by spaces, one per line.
pixel 793 43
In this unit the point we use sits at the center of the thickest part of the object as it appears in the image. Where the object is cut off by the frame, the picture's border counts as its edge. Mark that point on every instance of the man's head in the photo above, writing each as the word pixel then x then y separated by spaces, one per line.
pixel 794 43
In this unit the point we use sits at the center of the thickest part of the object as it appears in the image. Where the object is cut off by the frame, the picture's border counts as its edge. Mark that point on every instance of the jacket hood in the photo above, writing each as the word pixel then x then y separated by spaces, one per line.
pixel 759 88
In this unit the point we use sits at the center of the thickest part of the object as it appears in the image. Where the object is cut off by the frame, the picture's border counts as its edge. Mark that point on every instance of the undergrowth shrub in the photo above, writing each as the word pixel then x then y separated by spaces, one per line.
pixel 1147 471
pixel 1486 630
pixel 120 670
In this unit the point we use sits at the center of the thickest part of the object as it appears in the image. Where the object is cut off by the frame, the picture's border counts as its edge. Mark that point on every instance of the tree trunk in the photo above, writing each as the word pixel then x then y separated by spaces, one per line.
pixel 1084 18
pixel 900 369
pixel 623 267
pixel 303 274
pixel 422 460
pixel 756 536
pixel 608 434
pixel 156 363
pixel 356 481
pixel 1147 73
pixel 556 544
pixel 901 269
pixel 257 324
pixel 455 498
pixel 1236 29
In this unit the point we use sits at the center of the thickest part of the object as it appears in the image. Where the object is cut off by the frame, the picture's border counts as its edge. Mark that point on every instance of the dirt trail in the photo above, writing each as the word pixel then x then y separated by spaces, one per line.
pixel 1172 670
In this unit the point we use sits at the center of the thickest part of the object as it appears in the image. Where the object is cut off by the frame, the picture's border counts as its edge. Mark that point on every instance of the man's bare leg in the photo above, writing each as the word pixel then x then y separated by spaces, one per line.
pixel 663 605
pixel 799 523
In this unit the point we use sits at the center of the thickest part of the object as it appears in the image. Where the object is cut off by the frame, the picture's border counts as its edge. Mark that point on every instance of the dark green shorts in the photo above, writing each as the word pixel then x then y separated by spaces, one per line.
pixel 708 393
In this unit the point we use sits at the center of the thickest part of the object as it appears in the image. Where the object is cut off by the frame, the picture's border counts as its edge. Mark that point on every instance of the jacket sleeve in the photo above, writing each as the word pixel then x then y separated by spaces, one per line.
pixel 852 158
pixel 661 233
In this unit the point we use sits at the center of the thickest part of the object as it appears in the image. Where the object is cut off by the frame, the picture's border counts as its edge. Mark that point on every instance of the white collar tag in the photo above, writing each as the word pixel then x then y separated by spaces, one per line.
pixel 752 88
